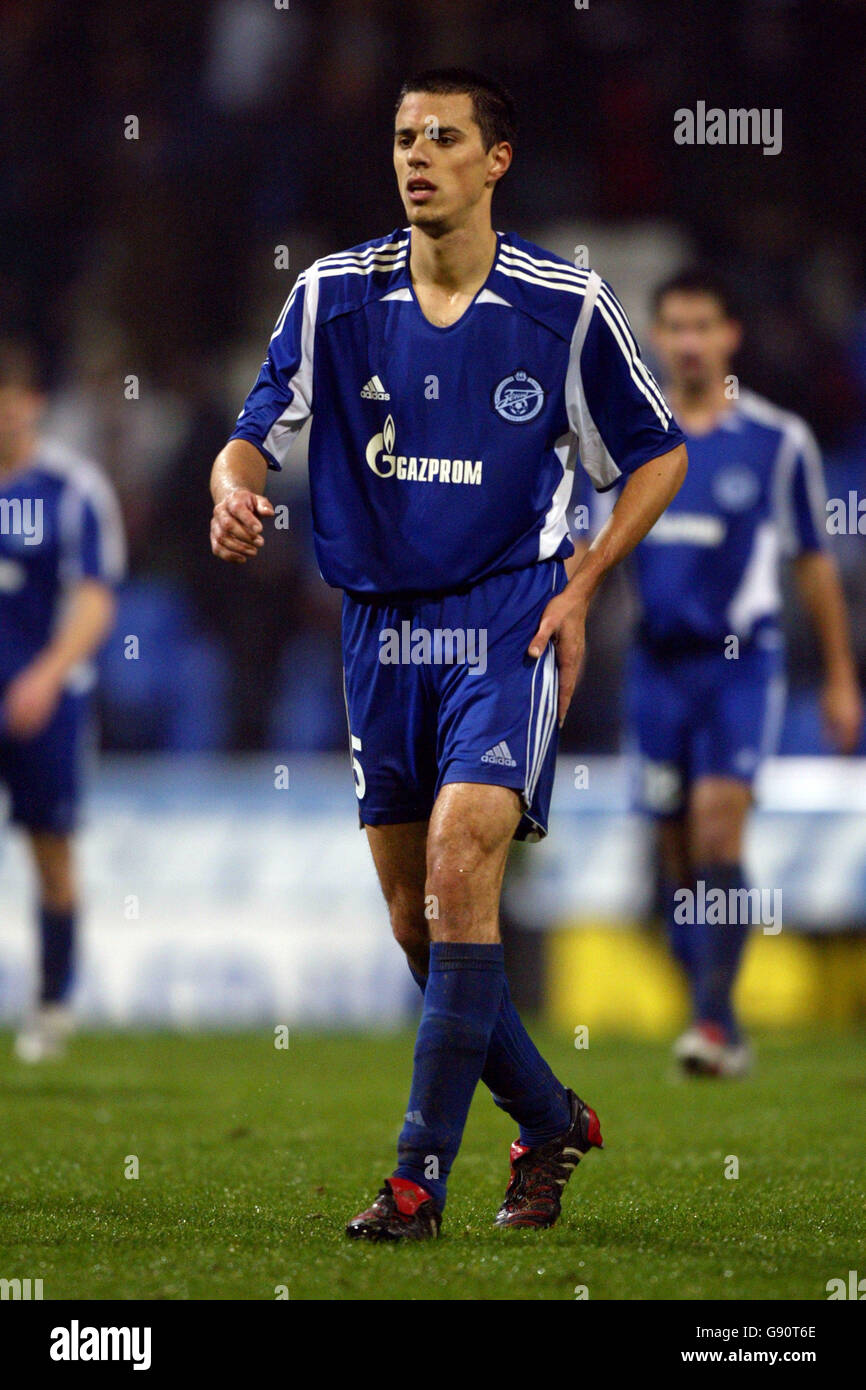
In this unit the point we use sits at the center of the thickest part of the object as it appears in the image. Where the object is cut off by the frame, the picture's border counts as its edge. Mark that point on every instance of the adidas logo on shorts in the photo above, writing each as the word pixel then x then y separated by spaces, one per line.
pixel 374 390
pixel 500 755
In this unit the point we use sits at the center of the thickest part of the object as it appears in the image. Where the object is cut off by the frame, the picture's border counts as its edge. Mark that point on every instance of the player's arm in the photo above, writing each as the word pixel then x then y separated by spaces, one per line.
pixel 822 595
pixel 273 413
pixel 573 562
pixel 237 487
pixel 32 697
pixel 649 489
pixel 626 434
pixel 803 519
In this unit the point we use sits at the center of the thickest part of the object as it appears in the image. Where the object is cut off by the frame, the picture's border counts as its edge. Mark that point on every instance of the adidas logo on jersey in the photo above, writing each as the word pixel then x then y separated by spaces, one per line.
pixel 374 390
pixel 500 755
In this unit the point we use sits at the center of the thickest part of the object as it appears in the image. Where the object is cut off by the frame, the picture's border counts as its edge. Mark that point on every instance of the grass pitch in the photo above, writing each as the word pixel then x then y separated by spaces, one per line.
pixel 251 1159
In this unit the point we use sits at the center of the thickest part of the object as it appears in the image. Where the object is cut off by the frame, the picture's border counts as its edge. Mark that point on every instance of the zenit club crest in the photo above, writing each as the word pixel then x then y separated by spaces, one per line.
pixel 736 488
pixel 518 398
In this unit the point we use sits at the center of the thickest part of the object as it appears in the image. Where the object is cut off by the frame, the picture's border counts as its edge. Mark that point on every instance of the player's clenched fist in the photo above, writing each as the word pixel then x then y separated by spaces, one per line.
pixel 235 528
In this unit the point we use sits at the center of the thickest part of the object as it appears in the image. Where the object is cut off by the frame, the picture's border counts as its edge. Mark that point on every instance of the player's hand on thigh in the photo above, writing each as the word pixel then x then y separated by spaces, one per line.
pixel 235 529
pixel 563 622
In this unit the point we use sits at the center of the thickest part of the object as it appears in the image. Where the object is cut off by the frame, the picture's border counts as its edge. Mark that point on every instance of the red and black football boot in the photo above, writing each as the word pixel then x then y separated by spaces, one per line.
pixel 538 1175
pixel 401 1211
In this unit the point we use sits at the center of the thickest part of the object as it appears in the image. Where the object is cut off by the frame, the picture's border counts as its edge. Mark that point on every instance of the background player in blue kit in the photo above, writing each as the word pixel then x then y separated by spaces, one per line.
pixel 706 686
pixel 61 551
pixel 453 374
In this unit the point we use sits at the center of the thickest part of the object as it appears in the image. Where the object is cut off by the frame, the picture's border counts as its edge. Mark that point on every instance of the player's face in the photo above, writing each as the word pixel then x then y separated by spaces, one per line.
pixel 19 412
pixel 695 339
pixel 443 171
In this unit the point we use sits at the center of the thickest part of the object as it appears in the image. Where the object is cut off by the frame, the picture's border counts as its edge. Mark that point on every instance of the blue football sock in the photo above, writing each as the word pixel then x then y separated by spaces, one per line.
pixel 721 949
pixel 518 1077
pixel 57 942
pixel 682 935
pixel 461 1001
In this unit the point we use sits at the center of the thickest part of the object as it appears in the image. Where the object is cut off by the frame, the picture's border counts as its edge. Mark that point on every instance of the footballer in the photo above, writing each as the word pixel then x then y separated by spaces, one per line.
pixel 455 375
pixel 62 551
pixel 706 682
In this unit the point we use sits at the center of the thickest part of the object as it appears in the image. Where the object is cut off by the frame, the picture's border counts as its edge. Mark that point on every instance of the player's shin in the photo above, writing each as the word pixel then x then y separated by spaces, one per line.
pixel 520 1081
pixel 721 947
pixel 57 941
pixel 461 1003
pixel 681 934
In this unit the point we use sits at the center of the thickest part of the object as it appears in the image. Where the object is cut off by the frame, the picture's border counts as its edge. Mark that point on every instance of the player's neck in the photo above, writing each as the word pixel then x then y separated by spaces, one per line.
pixel 457 262
pixel 699 408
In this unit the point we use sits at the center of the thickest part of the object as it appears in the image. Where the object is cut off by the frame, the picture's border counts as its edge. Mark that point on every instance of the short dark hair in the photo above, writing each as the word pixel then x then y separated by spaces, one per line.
pixel 697 280
pixel 19 365
pixel 492 106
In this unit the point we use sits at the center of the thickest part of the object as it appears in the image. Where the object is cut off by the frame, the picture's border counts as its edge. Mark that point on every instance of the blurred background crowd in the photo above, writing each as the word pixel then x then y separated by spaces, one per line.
pixel 261 126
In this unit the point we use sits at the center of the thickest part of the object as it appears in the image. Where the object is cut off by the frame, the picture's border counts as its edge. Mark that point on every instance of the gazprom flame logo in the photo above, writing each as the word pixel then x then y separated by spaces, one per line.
pixel 383 444
pixel 413 468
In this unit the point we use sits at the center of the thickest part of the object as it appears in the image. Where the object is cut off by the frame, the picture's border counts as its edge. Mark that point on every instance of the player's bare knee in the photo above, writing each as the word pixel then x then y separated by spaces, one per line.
pixel 52 856
pixel 717 835
pixel 57 891
pixel 718 815
pixel 451 857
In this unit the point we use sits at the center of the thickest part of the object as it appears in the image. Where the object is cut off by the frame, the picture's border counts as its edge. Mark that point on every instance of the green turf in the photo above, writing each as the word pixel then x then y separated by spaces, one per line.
pixel 252 1158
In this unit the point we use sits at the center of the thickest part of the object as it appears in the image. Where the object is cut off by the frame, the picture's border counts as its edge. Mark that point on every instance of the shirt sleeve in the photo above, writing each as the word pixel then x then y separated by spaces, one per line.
pixel 282 397
pixel 93 543
pixel 803 500
pixel 615 405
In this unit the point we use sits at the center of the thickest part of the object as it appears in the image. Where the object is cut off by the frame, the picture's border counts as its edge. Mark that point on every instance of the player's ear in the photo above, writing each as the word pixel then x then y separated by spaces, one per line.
pixel 501 156
pixel 735 335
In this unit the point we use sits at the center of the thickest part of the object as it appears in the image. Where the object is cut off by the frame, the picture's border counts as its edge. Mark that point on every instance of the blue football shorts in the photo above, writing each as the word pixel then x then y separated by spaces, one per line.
pixel 443 690
pixel 42 775
pixel 701 715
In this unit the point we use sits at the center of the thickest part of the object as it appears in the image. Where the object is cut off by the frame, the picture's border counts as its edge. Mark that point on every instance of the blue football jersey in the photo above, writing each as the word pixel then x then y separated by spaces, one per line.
pixel 59 522
pixel 754 494
pixel 440 456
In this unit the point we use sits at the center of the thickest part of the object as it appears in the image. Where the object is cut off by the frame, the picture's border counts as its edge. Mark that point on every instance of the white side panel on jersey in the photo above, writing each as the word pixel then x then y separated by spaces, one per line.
pixel 85 481
pixel 594 456
pixel 758 591
pixel 555 524
pixel 797 442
